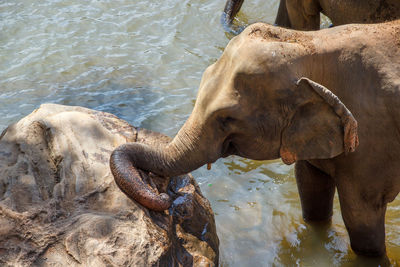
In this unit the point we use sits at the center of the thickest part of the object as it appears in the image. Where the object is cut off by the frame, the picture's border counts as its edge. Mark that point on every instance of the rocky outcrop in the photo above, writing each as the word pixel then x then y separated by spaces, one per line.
pixel 59 205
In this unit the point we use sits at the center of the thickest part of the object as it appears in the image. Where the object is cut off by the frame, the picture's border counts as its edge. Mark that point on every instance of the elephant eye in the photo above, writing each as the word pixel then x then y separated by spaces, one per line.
pixel 225 121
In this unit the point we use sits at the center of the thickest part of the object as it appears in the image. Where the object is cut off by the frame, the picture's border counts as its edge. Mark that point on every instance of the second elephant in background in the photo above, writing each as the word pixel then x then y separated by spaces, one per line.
pixel 305 14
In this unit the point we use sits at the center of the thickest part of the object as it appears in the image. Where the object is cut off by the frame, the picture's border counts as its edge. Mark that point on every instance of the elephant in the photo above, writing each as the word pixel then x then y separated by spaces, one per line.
pixel 327 101
pixel 305 14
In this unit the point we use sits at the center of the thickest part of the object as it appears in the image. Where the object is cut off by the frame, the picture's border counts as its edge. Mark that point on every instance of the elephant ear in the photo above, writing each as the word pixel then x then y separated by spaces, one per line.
pixel 321 128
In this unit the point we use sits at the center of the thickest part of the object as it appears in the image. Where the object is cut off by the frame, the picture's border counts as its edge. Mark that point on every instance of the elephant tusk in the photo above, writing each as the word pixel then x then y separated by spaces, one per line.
pixel 208 166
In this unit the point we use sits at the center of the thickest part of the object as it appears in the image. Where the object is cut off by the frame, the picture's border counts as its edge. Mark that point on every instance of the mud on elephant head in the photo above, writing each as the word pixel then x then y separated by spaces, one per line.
pixel 305 14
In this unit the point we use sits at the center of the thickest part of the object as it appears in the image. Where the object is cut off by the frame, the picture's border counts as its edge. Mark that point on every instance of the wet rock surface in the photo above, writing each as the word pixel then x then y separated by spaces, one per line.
pixel 59 204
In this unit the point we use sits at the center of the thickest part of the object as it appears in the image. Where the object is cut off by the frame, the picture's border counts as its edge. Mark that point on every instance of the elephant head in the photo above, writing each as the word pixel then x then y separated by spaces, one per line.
pixel 254 103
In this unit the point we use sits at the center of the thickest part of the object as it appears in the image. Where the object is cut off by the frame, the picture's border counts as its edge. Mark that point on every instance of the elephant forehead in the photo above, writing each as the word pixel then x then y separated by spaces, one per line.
pixel 266 46
pixel 221 100
pixel 271 34
pixel 232 79
pixel 247 53
pixel 256 57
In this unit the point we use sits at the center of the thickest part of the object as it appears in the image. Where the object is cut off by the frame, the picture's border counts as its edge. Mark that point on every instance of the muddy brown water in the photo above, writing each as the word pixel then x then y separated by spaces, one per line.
pixel 143 61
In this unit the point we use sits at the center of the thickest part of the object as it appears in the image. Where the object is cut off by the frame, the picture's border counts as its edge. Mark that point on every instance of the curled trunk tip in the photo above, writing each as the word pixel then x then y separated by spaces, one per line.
pixel 126 175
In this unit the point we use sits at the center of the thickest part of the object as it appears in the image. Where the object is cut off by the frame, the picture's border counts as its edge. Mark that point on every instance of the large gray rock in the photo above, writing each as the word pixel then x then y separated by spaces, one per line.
pixel 59 205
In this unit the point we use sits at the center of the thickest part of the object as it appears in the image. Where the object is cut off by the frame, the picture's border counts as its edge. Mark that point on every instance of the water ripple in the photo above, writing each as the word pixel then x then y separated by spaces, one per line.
pixel 143 61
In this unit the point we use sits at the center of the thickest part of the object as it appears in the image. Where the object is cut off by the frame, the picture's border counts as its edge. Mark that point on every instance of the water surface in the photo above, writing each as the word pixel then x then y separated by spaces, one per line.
pixel 142 60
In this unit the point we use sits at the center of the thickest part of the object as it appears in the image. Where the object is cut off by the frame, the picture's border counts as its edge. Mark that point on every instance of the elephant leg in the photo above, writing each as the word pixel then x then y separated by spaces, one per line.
pixel 282 18
pixel 303 15
pixel 232 7
pixel 364 218
pixel 316 190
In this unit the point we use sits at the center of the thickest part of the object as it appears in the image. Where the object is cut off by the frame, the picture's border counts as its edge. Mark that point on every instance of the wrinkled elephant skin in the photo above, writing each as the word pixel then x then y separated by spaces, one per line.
pixel 328 101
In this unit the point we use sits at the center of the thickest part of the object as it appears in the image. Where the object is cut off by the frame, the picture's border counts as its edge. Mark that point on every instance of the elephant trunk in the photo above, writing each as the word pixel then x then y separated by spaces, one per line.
pixel 180 156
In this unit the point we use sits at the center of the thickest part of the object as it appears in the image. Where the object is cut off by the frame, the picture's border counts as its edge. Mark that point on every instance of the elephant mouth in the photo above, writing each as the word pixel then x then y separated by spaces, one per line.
pixel 228 147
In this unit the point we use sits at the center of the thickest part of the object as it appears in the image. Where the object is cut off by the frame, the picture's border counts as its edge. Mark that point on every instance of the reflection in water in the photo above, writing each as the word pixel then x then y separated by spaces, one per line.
pixel 143 61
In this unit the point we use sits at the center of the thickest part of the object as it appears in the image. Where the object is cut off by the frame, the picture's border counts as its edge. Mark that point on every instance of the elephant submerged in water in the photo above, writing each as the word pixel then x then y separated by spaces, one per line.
pixel 305 14
pixel 328 101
